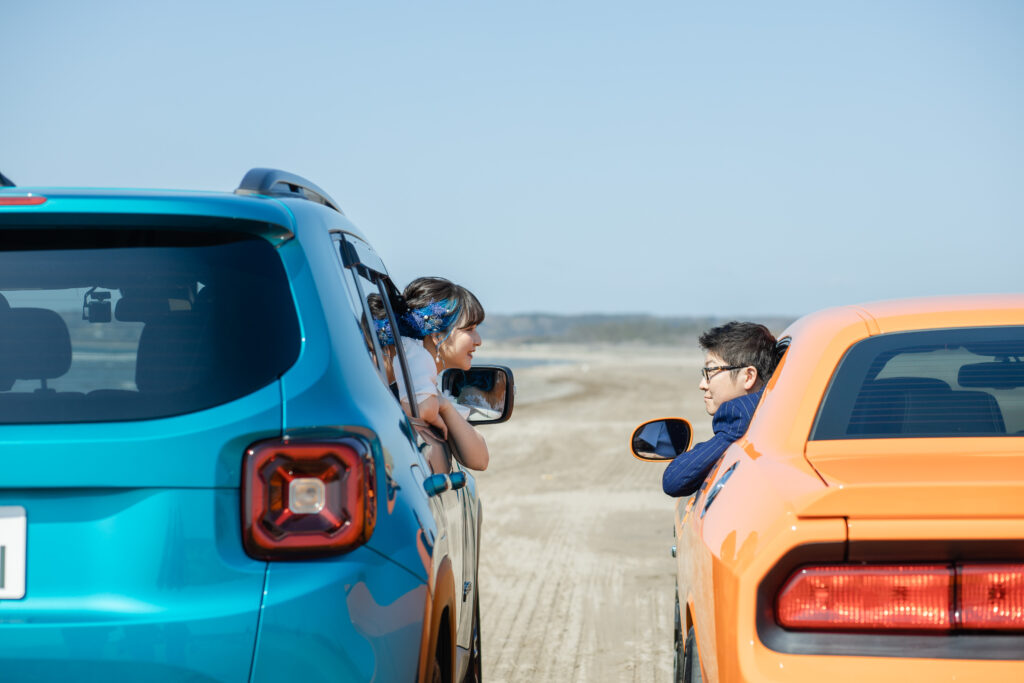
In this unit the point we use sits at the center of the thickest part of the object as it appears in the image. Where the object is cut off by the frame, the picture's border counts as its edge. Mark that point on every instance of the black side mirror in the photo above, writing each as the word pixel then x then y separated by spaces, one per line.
pixel 488 391
pixel 660 440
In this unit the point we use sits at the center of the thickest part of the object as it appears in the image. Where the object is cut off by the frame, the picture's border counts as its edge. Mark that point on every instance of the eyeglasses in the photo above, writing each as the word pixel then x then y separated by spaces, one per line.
pixel 712 370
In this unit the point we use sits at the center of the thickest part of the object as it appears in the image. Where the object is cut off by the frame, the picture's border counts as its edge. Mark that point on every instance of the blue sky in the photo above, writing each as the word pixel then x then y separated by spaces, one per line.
pixel 741 158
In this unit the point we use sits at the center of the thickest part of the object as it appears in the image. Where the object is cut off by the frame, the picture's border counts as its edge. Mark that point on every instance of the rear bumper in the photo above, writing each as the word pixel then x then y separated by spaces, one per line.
pixel 770 666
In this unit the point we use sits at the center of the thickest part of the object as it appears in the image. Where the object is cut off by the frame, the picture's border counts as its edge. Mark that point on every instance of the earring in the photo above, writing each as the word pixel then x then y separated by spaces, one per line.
pixel 437 350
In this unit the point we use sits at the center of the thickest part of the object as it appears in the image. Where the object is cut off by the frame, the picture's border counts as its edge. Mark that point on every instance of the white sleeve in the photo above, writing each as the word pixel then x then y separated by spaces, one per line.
pixel 422 371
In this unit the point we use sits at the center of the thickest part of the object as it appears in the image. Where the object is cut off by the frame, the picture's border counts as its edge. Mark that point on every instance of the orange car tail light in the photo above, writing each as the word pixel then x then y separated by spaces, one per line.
pixel 867 597
pixel 903 597
pixel 992 596
pixel 302 499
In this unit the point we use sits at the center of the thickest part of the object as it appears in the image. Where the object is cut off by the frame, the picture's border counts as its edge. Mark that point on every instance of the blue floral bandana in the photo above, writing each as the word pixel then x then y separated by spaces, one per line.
pixel 437 316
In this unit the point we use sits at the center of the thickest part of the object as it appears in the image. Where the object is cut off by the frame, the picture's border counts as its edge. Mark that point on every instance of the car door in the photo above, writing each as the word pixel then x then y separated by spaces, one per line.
pixel 450 504
pixel 467 510
pixel 367 277
pixel 694 565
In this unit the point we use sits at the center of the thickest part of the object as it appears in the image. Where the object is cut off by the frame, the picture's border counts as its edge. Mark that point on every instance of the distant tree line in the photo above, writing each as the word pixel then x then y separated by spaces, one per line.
pixel 549 328
pixel 524 328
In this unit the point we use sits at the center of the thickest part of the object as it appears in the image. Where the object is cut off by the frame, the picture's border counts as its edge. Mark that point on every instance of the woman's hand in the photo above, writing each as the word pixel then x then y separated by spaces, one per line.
pixel 468 444
pixel 430 412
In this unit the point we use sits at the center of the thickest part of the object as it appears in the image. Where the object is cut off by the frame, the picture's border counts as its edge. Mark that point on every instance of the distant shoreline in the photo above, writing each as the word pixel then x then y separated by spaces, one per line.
pixel 547 328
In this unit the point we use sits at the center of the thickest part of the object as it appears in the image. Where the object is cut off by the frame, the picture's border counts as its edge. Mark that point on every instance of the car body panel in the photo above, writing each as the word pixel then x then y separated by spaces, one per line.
pixel 845 501
pixel 340 619
pixel 924 477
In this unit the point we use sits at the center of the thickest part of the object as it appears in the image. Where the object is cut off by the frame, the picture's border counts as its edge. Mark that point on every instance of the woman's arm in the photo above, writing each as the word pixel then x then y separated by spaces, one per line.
pixel 429 410
pixel 470 447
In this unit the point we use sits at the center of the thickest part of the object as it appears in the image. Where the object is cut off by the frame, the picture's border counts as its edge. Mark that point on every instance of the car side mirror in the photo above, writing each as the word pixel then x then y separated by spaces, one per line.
pixel 488 391
pixel 660 440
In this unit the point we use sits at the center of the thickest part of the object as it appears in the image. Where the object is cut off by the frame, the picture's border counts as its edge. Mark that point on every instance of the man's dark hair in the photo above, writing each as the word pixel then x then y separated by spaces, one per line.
pixel 743 344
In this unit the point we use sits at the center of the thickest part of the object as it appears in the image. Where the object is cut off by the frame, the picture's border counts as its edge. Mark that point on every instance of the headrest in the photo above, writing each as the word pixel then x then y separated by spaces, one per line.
pixel 172 356
pixel 34 344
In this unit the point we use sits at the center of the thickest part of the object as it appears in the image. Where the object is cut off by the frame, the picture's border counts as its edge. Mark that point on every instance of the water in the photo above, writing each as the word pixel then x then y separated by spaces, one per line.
pixel 518 363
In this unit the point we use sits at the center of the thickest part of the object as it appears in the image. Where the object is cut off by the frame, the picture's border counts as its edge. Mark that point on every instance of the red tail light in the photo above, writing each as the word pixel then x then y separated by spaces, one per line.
pixel 303 499
pixel 992 596
pixel 867 597
pixel 918 597
pixel 22 200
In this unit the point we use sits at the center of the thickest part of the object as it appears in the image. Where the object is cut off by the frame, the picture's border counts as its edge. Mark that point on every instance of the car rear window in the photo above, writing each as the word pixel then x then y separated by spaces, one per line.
pixel 136 323
pixel 932 383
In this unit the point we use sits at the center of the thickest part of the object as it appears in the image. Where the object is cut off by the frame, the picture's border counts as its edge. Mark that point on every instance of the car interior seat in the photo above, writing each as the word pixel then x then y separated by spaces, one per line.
pixel 174 354
pixel 921 406
pixel 35 345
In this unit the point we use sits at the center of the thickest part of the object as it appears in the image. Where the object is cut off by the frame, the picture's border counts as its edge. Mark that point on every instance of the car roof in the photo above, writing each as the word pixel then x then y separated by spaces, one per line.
pixel 899 315
pixel 265 202
pixel 947 311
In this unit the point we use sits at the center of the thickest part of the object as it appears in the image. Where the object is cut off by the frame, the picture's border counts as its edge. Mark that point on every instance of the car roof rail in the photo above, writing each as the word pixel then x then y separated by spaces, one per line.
pixel 5 181
pixel 277 183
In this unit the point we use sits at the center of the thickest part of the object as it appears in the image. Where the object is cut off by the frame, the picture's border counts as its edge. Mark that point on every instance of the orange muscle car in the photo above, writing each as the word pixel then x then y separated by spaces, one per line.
pixel 870 524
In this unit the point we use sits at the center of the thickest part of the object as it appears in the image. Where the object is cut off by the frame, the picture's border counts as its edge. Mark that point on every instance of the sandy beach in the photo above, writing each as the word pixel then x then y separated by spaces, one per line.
pixel 576 573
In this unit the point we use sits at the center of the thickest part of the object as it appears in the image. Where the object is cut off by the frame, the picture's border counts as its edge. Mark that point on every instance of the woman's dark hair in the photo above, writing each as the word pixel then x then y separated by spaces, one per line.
pixel 743 344
pixel 426 290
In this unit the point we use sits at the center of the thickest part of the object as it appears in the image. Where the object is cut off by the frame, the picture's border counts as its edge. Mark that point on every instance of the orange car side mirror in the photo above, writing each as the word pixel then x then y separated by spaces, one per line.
pixel 661 440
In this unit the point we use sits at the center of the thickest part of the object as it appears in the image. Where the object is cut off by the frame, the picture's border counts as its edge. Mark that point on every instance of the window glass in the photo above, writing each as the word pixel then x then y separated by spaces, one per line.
pixel 122 324
pixel 933 383
pixel 364 296
pixel 350 284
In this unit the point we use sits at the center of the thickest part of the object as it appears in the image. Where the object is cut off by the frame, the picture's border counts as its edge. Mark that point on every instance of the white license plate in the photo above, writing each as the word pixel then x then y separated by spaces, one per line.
pixel 12 552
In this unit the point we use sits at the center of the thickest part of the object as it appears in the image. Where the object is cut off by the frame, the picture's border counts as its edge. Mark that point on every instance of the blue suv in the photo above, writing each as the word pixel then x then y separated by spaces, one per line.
pixel 206 473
